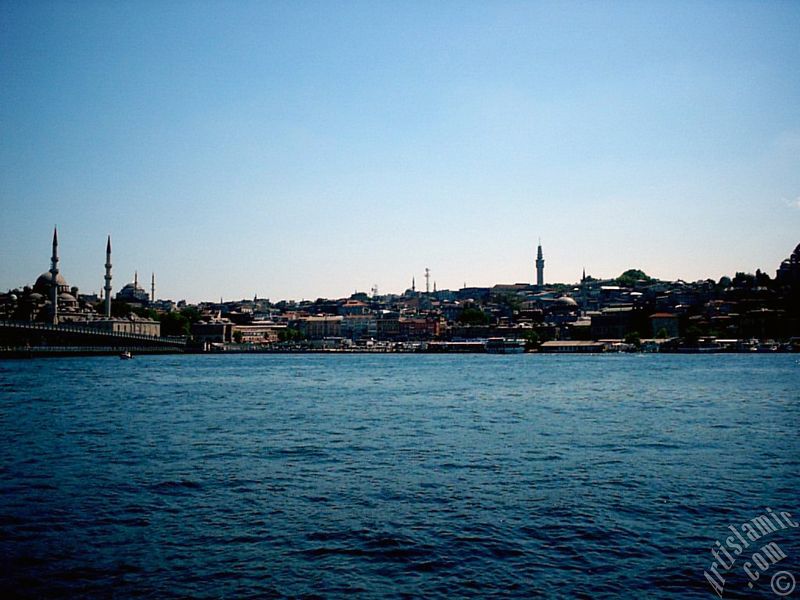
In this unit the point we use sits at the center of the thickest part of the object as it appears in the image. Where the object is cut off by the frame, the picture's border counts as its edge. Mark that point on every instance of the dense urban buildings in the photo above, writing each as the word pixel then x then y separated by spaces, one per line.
pixel 632 311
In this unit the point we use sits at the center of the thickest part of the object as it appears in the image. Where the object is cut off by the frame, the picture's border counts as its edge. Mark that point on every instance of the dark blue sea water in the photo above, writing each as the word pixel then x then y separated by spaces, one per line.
pixel 393 475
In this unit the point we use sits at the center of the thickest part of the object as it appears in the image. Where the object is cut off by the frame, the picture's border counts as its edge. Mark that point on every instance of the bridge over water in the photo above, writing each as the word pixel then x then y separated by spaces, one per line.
pixel 68 338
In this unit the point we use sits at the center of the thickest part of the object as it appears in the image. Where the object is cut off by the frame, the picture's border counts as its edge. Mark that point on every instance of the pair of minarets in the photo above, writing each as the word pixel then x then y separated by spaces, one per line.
pixel 107 288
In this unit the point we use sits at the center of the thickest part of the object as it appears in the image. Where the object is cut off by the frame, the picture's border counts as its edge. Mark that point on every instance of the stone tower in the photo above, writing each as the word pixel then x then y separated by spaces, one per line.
pixel 539 266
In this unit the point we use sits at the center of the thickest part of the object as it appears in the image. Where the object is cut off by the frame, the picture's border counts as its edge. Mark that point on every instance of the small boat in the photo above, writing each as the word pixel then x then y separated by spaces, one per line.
pixel 126 355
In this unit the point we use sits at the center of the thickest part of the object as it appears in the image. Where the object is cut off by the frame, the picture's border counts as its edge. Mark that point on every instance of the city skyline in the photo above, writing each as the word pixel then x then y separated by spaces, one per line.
pixel 109 291
pixel 310 151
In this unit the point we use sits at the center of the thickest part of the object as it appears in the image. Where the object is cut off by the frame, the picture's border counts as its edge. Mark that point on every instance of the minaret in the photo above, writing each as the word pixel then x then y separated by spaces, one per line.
pixel 54 276
pixel 136 280
pixel 584 296
pixel 413 284
pixel 108 278
pixel 427 280
pixel 153 288
pixel 539 266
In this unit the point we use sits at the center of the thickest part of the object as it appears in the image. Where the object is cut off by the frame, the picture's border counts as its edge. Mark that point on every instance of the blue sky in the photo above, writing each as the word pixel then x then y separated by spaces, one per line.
pixel 310 149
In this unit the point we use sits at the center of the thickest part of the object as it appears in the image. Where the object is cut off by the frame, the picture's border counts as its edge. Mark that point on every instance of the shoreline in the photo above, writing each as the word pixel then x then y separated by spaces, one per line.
pixel 65 352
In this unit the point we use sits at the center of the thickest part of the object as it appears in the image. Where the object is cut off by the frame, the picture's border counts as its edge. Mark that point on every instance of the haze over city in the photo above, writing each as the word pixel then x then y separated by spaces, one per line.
pixel 310 150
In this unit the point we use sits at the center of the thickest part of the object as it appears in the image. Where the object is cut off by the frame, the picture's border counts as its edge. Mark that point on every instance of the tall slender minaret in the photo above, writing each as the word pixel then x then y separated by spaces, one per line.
pixel 584 292
pixel 54 276
pixel 153 288
pixel 108 278
pixel 539 266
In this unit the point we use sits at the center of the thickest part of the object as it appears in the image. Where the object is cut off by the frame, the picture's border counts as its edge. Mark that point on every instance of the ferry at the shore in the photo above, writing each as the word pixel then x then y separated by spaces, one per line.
pixel 500 345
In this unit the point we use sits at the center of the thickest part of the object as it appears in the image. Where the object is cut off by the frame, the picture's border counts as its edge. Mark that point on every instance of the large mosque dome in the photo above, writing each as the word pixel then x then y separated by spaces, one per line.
pixel 44 284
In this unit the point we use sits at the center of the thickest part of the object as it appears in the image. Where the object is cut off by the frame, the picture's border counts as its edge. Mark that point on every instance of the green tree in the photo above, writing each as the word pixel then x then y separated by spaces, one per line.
pixel 662 333
pixel 692 337
pixel 512 301
pixel 119 308
pixel 147 313
pixel 473 316
pixel 633 338
pixel 532 340
pixel 238 336
pixel 632 276
pixel 191 314
pixel 174 323
pixel 289 335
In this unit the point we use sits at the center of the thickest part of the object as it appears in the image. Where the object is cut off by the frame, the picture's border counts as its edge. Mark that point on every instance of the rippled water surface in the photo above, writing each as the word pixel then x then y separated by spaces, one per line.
pixel 392 475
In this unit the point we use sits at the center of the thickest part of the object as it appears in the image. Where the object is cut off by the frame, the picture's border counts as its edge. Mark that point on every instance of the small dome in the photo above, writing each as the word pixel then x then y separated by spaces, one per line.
pixel 566 302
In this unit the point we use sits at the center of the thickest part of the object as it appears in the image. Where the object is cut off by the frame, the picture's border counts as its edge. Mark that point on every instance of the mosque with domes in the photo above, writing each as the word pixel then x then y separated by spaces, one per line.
pixel 51 300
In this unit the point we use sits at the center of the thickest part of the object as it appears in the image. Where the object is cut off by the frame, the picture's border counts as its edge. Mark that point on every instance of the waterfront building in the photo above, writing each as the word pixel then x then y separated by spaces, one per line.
pixel 669 322
pixel 572 346
pixel 218 331
pixel 419 328
pixel 321 326
pixel 258 333
pixel 388 325
pixel 612 323
pixel 359 327
pixel 133 324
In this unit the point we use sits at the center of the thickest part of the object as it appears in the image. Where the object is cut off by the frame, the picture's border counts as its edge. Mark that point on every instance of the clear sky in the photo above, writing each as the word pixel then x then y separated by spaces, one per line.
pixel 310 149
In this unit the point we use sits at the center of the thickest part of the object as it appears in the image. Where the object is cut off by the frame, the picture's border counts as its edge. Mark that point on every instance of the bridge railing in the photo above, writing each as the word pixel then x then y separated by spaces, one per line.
pixel 70 328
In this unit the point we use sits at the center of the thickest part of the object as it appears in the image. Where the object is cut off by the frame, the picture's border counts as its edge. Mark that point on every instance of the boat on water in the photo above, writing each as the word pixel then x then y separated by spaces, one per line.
pixel 126 355
pixel 504 346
